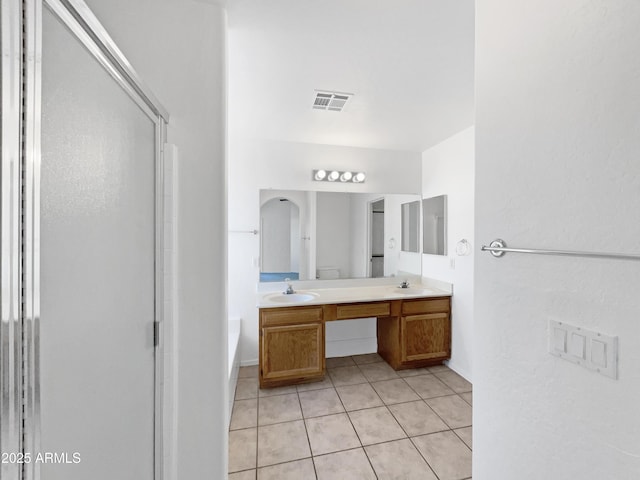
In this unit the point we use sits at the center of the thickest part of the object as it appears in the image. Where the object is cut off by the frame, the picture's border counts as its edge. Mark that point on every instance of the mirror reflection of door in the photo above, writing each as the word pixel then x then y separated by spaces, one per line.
pixel 377 238
pixel 280 240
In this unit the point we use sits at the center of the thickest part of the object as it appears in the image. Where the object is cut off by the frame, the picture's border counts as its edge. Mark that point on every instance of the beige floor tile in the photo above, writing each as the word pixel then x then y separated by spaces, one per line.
pixel 439 368
pixel 428 386
pixel 376 425
pixel 247 388
pixel 375 372
pixel 453 410
pixel 367 358
pixel 242 449
pixel 245 414
pixel 298 470
pixel 316 403
pixel 347 465
pixel 336 362
pixel 283 442
pixel 331 434
pixel 454 381
pixel 398 460
pixel 357 397
pixel 305 387
pixel 466 435
pixel 277 409
pixel 246 475
pixel 249 372
pixel 395 391
pixel 417 418
pixel 447 455
pixel 282 445
pixel 346 376
pixel 270 392
pixel 412 372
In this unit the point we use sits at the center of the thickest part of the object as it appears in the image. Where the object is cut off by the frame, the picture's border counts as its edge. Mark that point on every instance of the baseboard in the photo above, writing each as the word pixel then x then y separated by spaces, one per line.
pixel 463 373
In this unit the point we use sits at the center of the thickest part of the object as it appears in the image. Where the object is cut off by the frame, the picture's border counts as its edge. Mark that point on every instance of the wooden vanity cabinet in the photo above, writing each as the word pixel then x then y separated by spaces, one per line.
pixel 291 345
pixel 411 333
pixel 419 336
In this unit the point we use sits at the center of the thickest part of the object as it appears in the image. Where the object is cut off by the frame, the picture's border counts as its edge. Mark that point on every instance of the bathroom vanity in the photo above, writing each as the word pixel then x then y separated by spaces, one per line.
pixel 413 329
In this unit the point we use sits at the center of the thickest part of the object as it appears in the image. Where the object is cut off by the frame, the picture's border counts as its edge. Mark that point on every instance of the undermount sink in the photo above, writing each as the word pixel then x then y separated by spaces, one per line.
pixel 291 297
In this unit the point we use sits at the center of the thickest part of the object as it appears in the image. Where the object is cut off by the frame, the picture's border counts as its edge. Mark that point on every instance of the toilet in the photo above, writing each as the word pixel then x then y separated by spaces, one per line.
pixel 327 273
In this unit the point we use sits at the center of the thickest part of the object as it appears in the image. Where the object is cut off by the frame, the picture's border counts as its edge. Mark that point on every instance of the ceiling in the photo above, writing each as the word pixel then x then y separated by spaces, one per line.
pixel 409 64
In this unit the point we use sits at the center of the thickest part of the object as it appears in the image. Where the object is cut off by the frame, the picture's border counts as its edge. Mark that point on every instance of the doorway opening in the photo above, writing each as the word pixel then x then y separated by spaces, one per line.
pixel 376 238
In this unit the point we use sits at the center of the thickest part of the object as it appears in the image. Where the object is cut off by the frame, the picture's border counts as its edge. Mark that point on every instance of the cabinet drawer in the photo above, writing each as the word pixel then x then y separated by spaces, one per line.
pixel 363 310
pixel 442 304
pixel 290 315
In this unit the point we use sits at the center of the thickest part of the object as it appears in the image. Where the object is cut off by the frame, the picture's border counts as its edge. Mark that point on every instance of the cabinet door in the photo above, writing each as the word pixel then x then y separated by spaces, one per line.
pixel 425 337
pixel 292 351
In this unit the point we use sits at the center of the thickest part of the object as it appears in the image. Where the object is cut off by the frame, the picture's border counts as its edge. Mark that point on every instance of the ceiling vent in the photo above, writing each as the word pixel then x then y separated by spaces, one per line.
pixel 334 101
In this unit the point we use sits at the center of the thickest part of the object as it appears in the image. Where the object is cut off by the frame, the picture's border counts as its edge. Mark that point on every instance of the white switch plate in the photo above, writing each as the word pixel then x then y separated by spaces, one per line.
pixel 593 350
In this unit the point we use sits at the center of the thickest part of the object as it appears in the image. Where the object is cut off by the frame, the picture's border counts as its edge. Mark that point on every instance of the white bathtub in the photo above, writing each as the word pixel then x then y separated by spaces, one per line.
pixel 234 360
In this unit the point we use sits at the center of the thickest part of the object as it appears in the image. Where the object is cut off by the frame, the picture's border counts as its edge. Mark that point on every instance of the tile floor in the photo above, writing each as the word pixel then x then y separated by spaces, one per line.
pixel 364 421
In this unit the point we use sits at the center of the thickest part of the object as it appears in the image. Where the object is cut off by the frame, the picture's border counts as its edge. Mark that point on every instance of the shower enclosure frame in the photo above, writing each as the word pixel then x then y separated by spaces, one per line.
pixel 21 45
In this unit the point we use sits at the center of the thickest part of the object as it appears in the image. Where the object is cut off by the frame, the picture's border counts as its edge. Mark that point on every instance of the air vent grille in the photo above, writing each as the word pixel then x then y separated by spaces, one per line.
pixel 333 101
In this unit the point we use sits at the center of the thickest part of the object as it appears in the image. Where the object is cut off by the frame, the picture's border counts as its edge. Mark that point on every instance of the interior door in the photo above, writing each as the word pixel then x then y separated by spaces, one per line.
pixel 377 238
pixel 97 351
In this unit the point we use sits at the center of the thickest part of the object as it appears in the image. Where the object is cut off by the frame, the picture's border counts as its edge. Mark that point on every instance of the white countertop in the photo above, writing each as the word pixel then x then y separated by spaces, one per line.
pixel 321 296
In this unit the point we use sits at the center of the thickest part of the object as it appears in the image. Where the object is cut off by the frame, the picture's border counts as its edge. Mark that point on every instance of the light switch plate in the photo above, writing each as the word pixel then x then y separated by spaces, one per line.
pixel 593 350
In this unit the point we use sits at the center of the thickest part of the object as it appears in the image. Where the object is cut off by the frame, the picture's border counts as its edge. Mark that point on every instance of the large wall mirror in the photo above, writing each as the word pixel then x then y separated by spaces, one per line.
pixel 434 225
pixel 330 235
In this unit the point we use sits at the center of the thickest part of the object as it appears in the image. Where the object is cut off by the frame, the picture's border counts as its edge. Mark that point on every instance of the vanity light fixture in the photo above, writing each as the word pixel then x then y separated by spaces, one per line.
pixel 335 175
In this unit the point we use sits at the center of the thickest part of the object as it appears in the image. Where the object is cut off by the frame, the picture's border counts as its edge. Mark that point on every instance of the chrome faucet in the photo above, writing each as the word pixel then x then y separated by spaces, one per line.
pixel 289 290
pixel 404 284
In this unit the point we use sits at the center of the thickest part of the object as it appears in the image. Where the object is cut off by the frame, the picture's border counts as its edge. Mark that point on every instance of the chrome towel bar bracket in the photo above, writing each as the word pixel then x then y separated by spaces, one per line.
pixel 498 248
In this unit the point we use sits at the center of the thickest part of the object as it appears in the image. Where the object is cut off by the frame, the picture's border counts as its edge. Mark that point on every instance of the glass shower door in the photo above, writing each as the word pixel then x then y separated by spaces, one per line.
pixel 97 247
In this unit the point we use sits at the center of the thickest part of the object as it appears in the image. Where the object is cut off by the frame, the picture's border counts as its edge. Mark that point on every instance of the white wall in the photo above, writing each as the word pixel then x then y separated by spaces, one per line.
pixel 558 145
pixel 359 230
pixel 448 169
pixel 263 164
pixel 178 47
pixel 276 233
pixel 333 232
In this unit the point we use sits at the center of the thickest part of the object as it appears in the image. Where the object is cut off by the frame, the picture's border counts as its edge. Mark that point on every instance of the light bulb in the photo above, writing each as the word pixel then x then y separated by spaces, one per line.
pixel 359 177
pixel 320 174
pixel 333 176
pixel 346 176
